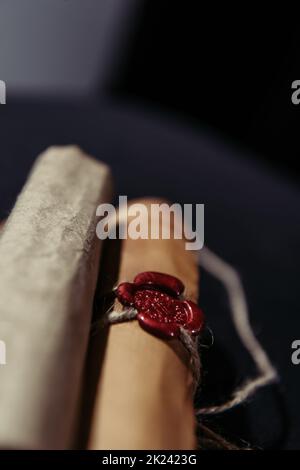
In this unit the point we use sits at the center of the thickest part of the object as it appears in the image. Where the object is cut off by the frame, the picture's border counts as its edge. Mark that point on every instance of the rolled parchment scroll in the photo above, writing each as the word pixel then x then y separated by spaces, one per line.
pixel 49 257
pixel 145 391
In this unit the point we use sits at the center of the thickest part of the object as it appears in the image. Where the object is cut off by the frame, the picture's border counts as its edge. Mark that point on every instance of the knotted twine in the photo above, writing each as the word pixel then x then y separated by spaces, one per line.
pixel 229 277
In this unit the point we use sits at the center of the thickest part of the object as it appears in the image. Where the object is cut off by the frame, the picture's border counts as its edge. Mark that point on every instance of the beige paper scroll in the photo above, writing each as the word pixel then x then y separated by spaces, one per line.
pixel 144 398
pixel 49 258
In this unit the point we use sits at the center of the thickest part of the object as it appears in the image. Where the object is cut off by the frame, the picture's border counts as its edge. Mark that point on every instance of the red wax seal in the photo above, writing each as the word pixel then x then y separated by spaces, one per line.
pixel 156 297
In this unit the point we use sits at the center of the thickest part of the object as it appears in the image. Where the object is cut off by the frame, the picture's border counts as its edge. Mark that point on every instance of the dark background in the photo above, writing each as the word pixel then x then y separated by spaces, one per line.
pixel 227 69
pixel 197 108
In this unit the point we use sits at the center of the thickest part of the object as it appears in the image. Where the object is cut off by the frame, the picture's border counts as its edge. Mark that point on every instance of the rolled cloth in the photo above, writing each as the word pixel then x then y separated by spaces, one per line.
pixel 144 398
pixel 49 256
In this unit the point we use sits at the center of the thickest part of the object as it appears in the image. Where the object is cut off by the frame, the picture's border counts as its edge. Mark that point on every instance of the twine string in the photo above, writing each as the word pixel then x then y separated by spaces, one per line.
pixel 229 277
pixel 188 342
pixel 266 374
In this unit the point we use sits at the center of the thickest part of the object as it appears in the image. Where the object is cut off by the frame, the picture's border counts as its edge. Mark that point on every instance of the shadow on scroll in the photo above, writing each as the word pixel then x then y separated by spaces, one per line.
pixel 109 269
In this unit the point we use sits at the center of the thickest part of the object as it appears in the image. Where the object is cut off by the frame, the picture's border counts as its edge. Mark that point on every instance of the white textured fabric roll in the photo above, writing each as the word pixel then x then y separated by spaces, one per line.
pixel 49 257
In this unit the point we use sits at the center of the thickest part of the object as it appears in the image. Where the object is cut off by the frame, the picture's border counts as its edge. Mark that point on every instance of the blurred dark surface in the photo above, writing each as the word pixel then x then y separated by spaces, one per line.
pixel 227 69
pixel 201 112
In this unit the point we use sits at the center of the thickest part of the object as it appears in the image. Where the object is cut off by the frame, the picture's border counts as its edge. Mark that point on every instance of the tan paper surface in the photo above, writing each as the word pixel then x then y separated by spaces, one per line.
pixel 144 398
